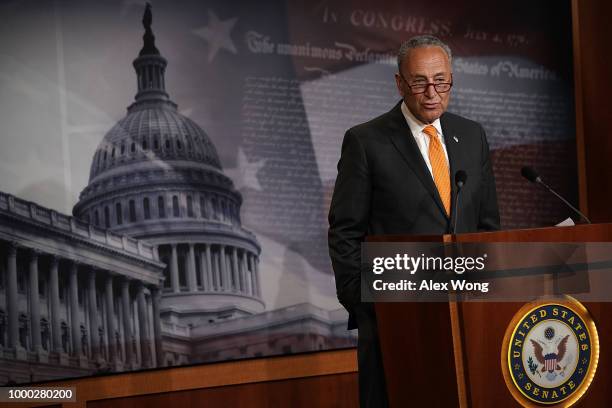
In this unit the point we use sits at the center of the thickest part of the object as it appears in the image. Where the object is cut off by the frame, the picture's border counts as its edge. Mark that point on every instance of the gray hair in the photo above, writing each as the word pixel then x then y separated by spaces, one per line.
pixel 418 42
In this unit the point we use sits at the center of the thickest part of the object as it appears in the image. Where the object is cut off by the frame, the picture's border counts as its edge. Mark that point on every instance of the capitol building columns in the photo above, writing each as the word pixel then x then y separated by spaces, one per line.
pixel 245 275
pixel 11 297
pixel 237 285
pixel 255 269
pixel 56 339
pixel 93 315
pixel 195 267
pixel 157 331
pixel 74 309
pixel 110 320
pixel 59 322
pixel 34 302
pixel 191 269
pixel 174 270
pixel 150 329
pixel 67 311
pixel 225 272
pixel 207 273
pixel 143 325
pixel 127 324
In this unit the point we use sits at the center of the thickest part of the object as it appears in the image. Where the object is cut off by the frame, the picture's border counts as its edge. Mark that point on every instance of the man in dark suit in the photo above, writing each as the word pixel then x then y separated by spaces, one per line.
pixel 396 176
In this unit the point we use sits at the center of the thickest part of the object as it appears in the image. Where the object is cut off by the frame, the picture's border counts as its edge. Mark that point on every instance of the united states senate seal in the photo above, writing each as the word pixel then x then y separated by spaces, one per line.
pixel 550 353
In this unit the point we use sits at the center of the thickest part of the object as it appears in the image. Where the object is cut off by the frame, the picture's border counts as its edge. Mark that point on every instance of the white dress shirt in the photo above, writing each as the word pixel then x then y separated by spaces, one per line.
pixel 422 139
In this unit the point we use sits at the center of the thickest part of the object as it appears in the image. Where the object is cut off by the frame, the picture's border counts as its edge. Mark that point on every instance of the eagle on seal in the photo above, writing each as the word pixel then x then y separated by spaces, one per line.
pixel 550 359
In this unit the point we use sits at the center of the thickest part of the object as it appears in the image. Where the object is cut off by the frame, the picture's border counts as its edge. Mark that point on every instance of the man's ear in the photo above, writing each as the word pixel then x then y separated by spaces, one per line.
pixel 398 83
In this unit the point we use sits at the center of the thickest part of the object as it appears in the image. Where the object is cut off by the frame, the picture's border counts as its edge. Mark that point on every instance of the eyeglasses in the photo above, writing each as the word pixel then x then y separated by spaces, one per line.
pixel 440 87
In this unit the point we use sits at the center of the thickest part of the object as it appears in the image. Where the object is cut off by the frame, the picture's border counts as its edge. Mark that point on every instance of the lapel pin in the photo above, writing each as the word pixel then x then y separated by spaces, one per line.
pixel 456 140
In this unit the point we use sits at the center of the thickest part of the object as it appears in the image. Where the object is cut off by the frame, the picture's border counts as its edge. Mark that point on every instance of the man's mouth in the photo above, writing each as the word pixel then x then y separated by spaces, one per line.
pixel 430 105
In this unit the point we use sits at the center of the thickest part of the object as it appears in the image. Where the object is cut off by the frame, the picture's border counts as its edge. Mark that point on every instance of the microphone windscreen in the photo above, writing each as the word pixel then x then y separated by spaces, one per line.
pixel 530 174
pixel 460 177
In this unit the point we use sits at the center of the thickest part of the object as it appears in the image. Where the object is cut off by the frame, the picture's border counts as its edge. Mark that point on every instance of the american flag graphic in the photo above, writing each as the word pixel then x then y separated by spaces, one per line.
pixel 275 85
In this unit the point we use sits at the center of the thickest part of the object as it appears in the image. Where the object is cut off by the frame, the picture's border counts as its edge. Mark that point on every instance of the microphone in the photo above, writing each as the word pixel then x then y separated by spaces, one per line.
pixel 460 180
pixel 530 174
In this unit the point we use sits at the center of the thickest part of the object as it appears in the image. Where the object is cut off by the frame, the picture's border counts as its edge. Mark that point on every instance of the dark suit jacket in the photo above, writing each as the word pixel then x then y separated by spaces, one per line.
pixel 384 187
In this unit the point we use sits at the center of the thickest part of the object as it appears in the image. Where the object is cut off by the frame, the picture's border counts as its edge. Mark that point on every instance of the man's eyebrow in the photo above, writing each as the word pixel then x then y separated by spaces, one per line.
pixel 420 77
pixel 424 77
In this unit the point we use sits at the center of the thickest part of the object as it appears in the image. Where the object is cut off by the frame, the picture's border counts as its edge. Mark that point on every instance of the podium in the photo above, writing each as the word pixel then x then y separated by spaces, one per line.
pixel 447 354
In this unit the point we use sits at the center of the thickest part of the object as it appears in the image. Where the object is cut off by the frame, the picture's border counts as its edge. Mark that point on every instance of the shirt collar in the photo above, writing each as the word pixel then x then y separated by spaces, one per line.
pixel 416 126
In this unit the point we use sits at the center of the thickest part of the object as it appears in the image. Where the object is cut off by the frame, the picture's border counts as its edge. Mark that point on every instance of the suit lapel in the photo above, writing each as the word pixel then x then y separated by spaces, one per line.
pixel 404 142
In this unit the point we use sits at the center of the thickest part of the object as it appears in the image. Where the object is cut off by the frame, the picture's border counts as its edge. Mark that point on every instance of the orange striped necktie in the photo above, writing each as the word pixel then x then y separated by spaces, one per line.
pixel 439 167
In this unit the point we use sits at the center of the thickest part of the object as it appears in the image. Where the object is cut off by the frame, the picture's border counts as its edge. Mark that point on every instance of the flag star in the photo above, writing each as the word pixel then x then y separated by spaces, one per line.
pixel 218 34
pixel 245 172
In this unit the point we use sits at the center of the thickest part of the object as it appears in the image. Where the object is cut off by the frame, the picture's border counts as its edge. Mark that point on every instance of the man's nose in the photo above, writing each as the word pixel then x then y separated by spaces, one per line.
pixel 430 91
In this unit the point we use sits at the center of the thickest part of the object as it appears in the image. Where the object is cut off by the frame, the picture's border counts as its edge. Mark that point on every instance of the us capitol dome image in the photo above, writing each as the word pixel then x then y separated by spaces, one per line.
pixel 156 176
pixel 154 267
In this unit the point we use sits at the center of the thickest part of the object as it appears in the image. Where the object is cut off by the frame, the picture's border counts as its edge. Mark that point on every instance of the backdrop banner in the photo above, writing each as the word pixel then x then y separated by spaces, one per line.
pixel 192 227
